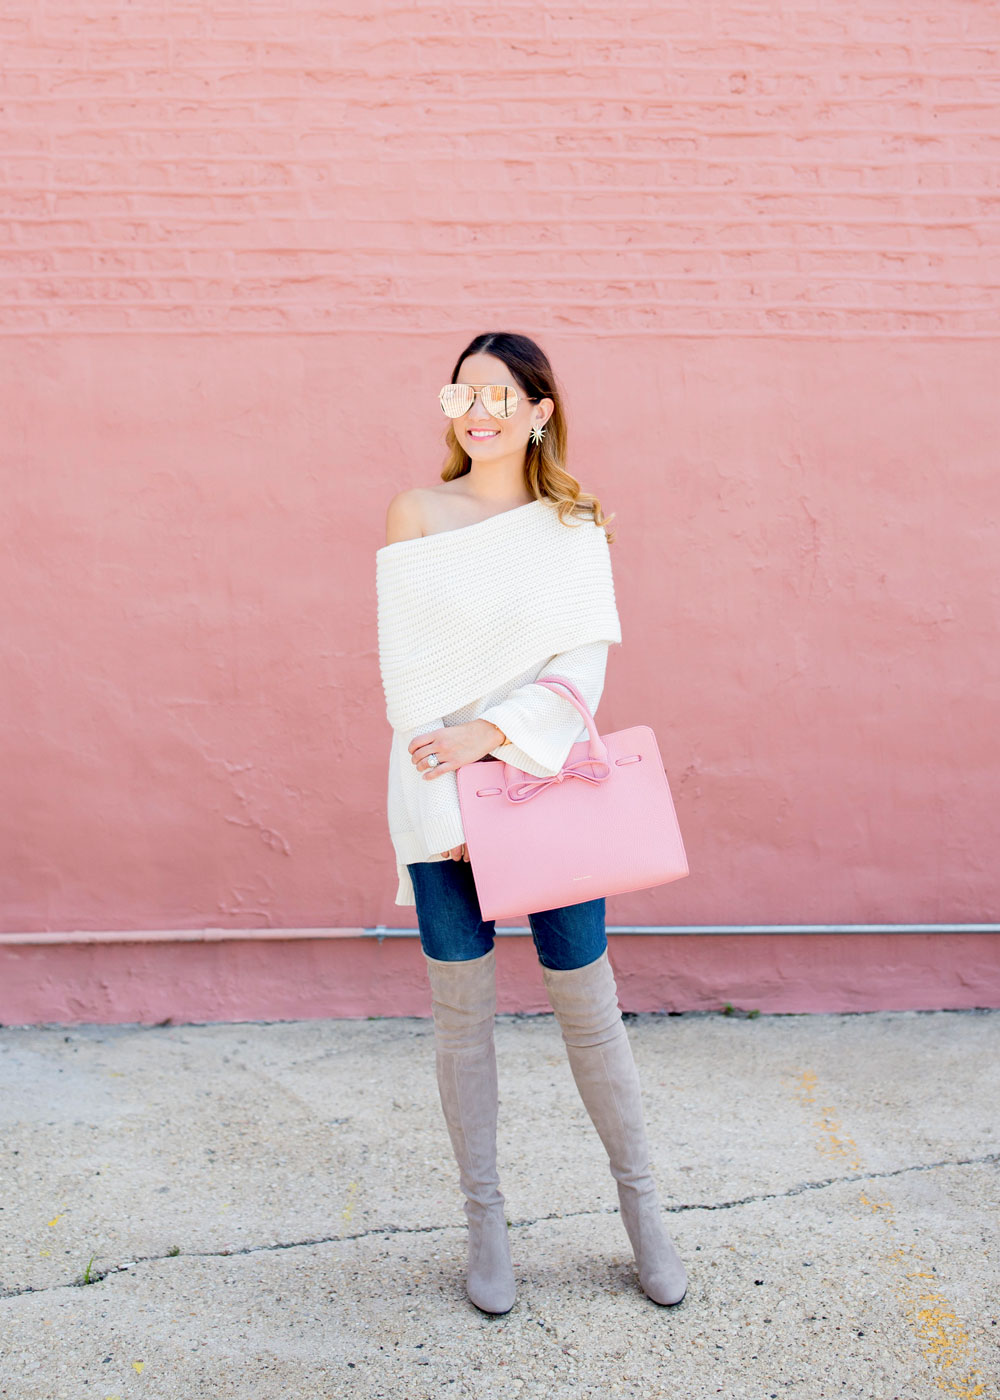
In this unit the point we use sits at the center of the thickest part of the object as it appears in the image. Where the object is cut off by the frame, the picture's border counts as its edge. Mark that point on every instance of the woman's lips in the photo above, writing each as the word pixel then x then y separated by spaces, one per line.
pixel 482 434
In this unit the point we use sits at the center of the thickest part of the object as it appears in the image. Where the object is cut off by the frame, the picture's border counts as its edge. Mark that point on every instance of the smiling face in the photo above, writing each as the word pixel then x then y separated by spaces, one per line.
pixel 481 435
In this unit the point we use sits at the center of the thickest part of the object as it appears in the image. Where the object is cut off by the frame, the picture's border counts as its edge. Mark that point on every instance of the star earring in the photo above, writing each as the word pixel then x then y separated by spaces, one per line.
pixel 537 434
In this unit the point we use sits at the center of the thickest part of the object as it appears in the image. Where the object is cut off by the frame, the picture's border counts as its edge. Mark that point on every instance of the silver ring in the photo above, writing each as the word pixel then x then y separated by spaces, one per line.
pixel 432 760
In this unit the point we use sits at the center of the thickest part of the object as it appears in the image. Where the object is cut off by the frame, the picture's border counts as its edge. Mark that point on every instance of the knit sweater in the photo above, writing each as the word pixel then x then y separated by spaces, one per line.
pixel 468 619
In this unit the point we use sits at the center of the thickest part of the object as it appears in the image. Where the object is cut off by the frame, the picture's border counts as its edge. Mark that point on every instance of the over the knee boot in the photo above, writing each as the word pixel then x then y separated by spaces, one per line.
pixel 585 1001
pixel 463 998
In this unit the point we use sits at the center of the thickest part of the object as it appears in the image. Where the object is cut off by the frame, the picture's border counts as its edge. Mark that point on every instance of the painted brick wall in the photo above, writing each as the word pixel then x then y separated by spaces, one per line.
pixel 239 250
pixel 642 168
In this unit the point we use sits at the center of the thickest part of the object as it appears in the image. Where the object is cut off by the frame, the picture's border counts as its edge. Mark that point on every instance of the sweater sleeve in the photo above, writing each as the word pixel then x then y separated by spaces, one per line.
pixel 435 799
pixel 543 725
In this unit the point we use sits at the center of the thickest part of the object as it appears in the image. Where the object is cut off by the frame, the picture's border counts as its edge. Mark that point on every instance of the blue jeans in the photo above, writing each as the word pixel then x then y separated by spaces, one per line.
pixel 452 928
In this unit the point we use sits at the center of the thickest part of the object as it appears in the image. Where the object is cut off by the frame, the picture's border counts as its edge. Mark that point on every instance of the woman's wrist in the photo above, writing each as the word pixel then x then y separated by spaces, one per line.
pixel 498 731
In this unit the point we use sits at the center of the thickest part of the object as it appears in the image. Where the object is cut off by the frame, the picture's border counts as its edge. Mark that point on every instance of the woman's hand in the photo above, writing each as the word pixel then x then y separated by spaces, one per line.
pixel 454 745
pixel 458 853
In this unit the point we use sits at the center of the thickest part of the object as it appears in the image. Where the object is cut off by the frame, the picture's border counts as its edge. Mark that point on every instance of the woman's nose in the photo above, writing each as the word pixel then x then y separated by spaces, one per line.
pixel 477 412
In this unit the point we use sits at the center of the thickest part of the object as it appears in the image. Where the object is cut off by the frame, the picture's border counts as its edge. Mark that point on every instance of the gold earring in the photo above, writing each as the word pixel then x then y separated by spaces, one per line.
pixel 537 433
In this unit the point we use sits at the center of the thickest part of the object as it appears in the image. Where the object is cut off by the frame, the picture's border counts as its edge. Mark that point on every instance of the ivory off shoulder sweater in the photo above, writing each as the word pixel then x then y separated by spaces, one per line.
pixel 485 610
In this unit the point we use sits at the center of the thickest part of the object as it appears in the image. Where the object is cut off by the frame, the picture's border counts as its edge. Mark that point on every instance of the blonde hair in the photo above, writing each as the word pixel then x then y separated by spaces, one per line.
pixel 545 462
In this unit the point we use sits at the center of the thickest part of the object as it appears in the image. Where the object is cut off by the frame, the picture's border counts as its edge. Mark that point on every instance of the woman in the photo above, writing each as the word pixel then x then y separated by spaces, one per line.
pixel 498 576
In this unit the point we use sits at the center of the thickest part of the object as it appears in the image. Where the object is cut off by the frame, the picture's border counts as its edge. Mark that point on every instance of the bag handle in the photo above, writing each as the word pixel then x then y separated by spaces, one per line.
pixel 598 748
pixel 521 789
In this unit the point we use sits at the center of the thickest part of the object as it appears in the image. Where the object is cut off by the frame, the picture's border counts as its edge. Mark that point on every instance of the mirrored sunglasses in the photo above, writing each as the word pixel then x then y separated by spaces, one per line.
pixel 500 400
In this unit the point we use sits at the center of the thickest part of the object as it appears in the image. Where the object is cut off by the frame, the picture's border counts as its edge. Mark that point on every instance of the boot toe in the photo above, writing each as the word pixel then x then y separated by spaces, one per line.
pixel 491 1296
pixel 665 1286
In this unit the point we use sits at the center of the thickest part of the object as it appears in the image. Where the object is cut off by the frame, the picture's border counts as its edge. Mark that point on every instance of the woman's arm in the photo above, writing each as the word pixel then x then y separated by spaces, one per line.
pixel 542 725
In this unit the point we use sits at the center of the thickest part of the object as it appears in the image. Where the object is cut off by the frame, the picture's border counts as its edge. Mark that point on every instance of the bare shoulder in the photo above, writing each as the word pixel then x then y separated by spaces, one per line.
pixel 426 510
pixel 404 516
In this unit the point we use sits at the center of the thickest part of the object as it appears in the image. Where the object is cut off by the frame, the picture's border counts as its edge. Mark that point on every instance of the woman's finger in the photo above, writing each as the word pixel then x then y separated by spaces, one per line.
pixel 422 755
pixel 422 766
pixel 438 768
pixel 425 741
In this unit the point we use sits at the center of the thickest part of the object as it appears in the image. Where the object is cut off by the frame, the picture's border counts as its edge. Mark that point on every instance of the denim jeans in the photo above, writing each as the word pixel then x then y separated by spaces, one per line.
pixel 452 928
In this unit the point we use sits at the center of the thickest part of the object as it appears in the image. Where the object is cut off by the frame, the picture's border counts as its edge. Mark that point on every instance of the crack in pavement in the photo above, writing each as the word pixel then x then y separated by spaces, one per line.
pixel 385 1230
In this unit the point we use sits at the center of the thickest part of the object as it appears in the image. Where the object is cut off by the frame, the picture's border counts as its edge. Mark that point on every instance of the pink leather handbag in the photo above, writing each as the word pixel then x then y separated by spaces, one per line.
pixel 604 824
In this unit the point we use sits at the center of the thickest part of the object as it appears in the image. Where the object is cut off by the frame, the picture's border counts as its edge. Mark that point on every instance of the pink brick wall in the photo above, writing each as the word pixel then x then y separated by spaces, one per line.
pixel 761 244
pixel 656 170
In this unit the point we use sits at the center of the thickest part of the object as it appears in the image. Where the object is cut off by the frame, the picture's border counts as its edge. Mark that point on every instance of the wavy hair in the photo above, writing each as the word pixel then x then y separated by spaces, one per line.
pixel 545 471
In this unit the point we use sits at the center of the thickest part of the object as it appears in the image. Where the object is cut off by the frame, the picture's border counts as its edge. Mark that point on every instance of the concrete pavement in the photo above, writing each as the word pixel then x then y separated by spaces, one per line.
pixel 271 1210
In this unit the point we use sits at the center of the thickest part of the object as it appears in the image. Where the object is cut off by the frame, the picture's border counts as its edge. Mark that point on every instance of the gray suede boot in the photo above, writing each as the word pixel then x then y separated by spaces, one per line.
pixel 463 999
pixel 585 1001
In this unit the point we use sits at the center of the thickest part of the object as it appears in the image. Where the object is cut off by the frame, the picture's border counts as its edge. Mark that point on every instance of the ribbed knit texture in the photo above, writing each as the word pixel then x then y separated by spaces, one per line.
pixel 468 620
pixel 463 610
